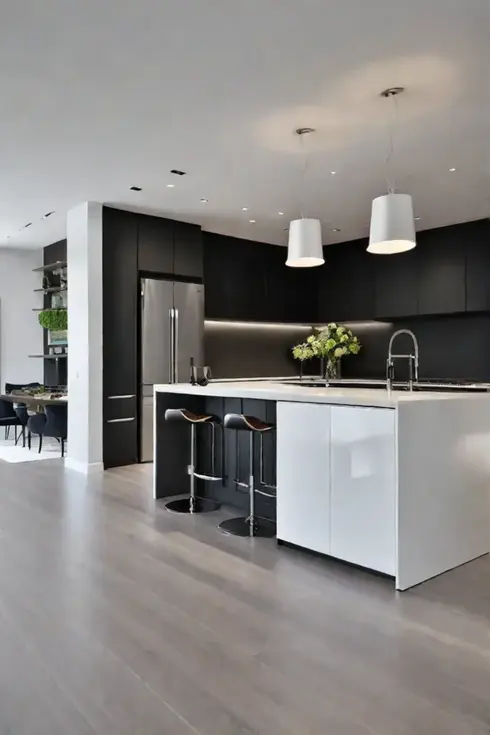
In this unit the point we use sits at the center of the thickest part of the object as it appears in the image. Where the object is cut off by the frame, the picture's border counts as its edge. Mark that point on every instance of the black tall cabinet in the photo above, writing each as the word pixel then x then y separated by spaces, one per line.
pixel 134 245
pixel 120 337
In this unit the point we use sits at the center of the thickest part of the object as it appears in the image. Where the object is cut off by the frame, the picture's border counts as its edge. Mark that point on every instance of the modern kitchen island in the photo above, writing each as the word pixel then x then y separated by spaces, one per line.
pixel 396 482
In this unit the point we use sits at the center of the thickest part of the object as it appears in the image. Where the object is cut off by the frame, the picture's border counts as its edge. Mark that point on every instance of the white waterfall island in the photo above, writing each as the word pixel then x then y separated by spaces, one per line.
pixel 398 483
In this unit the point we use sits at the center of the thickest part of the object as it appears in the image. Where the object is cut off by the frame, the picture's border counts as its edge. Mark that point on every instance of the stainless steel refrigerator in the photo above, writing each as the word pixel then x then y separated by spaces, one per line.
pixel 172 332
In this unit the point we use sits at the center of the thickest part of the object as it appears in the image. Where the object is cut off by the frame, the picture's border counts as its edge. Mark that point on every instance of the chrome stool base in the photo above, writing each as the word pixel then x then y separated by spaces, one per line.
pixel 192 505
pixel 242 527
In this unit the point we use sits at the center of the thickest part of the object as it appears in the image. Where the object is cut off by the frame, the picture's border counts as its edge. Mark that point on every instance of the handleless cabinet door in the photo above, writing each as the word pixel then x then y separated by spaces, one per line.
pixel 478 266
pixel 441 259
pixel 303 475
pixel 363 488
pixel 396 285
pixel 155 245
pixel 120 330
pixel 188 250
pixel 347 290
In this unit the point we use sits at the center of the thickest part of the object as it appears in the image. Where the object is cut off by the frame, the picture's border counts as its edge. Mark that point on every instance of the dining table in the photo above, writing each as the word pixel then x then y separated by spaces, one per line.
pixel 37 401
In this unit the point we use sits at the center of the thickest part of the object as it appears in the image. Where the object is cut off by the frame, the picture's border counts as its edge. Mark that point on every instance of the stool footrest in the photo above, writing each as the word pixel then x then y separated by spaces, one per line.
pixel 210 478
pixel 259 491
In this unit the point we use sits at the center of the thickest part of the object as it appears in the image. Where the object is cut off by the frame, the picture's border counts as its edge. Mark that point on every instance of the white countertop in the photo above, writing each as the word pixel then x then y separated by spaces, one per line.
pixel 272 390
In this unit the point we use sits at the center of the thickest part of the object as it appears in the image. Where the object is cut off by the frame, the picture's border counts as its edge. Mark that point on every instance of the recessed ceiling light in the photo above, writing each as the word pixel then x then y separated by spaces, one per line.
pixel 170 186
pixel 333 173
pixel 48 214
pixel 244 209
pixel 252 221
pixel 335 229
pixel 177 172
pixel 135 188
pixel 27 225
pixel 417 218
pixel 452 169
pixel 204 201
pixel 280 214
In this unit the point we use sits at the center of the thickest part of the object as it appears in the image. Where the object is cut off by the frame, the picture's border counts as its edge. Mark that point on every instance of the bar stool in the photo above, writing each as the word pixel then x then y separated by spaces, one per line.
pixel 250 525
pixel 195 504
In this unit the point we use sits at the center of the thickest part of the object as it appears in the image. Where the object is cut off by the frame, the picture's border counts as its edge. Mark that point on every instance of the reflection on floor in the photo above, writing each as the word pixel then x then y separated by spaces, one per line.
pixel 11 453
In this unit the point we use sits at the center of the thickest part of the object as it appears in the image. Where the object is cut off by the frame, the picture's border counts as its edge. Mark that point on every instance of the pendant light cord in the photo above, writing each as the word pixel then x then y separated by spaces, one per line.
pixel 392 127
pixel 303 176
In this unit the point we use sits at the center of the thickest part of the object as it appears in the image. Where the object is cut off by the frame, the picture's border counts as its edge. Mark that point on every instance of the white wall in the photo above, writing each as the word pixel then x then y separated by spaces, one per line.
pixel 20 333
pixel 84 251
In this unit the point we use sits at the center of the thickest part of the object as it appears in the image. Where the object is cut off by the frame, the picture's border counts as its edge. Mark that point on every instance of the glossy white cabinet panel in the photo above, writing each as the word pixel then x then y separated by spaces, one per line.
pixel 363 487
pixel 303 475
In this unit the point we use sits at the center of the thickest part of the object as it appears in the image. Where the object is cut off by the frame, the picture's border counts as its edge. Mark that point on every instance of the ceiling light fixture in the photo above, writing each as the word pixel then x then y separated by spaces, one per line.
pixel 244 209
pixel 392 221
pixel 135 188
pixel 170 186
pixel 335 229
pixel 333 173
pixel 452 169
pixel 27 225
pixel 177 172
pixel 281 214
pixel 204 201
pixel 252 221
pixel 48 214
pixel 417 218
pixel 305 247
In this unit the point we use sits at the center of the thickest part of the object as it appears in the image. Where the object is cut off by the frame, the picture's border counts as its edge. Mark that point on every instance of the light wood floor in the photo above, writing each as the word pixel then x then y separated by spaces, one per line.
pixel 118 618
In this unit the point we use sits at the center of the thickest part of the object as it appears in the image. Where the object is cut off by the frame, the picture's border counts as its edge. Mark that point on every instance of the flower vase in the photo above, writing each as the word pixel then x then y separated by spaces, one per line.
pixel 332 372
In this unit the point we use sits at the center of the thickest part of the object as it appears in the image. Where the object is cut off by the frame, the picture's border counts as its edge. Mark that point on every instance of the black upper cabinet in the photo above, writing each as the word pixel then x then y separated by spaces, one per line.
pixel 396 290
pixel 291 293
pixel 441 270
pixel 188 250
pixel 347 288
pixel 218 287
pixel 169 248
pixel 155 245
pixel 234 278
pixel 478 266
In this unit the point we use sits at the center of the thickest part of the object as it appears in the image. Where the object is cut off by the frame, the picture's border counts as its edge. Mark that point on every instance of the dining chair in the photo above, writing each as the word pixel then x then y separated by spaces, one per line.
pixel 35 425
pixel 8 418
pixel 57 423
pixel 21 413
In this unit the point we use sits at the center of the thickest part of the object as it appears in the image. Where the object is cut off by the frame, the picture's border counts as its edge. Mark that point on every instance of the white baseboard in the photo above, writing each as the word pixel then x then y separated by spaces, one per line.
pixel 84 467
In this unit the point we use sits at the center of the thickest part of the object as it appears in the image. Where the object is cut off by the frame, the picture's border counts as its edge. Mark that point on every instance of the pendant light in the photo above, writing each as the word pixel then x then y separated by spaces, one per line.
pixel 392 221
pixel 305 247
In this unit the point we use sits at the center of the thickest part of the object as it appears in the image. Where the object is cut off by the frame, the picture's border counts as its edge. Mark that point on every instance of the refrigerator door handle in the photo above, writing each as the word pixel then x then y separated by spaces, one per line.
pixel 176 356
pixel 171 352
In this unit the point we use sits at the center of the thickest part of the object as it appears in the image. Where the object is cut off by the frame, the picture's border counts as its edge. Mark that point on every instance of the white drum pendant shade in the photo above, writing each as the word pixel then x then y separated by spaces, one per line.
pixel 392 225
pixel 305 249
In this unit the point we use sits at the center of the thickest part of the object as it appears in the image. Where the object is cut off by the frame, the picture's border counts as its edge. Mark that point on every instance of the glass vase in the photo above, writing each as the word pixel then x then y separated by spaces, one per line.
pixel 332 371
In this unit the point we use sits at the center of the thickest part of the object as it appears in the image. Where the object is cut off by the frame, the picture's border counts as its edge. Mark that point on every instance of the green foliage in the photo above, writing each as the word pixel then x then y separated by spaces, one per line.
pixel 54 319
pixel 331 342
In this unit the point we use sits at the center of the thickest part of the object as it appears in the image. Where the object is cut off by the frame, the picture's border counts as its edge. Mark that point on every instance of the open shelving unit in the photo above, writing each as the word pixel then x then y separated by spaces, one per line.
pixel 54 282
pixel 51 267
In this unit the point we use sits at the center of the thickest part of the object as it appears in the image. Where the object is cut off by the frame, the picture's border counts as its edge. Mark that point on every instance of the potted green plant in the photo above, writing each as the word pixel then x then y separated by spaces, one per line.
pixel 330 344
pixel 56 322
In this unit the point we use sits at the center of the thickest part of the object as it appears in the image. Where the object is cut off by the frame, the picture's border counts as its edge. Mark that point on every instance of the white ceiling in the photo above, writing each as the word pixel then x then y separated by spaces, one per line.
pixel 98 96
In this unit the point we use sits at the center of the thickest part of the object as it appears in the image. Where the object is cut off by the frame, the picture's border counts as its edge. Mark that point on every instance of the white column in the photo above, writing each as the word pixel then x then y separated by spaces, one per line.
pixel 84 256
